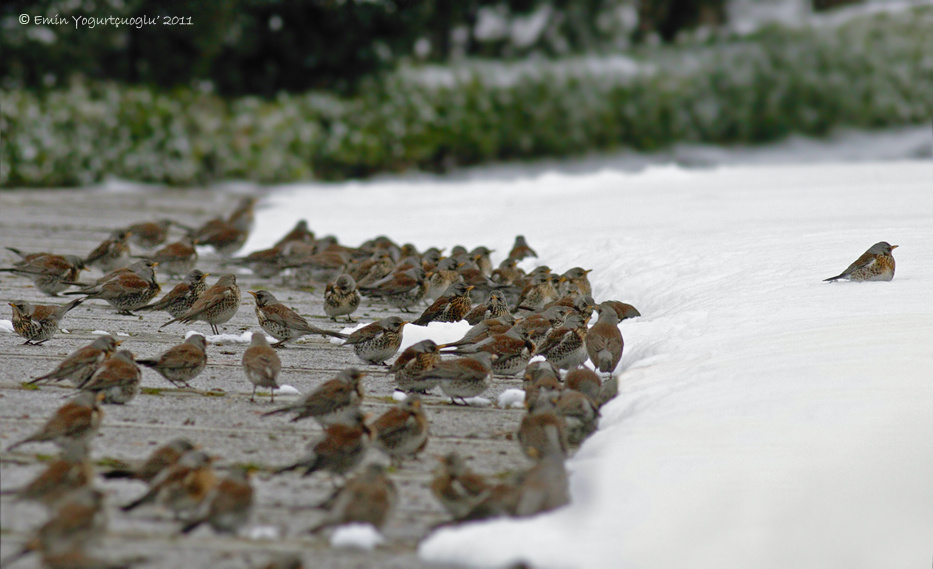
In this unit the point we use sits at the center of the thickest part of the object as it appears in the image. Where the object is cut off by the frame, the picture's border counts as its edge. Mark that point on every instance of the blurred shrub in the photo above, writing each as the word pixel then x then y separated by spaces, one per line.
pixel 869 72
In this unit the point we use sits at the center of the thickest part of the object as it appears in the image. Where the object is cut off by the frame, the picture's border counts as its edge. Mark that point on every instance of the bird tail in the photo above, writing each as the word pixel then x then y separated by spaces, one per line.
pixel 17 251
pixel 136 503
pixel 278 411
pixel 118 473
pixel 192 525
pixel 147 363
pixel 832 279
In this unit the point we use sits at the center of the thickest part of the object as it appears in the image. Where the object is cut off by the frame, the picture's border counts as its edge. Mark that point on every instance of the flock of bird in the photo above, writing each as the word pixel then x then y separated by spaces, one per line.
pixel 514 317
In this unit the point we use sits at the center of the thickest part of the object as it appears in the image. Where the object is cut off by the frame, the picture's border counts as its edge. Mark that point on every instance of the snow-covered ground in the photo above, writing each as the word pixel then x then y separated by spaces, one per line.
pixel 765 418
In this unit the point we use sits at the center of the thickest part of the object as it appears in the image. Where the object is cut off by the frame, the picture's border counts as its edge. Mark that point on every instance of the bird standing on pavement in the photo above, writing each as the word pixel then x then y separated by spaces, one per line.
pixel 402 431
pixel 409 365
pixel 366 499
pixel 340 450
pixel 565 346
pixel 176 258
pixel 72 471
pixel 150 234
pixel 161 458
pixel 117 379
pixel 112 253
pixel 181 298
pixel 51 274
pixel 332 400
pixel 217 305
pixel 451 306
pixel 74 423
pixel 38 322
pixel 876 264
pixel 379 341
pixel 81 364
pixel 182 487
pixel 126 290
pixel 230 504
pixel 262 365
pixel 182 363
pixel 341 298
pixel 462 377
pixel 457 487
pixel 283 323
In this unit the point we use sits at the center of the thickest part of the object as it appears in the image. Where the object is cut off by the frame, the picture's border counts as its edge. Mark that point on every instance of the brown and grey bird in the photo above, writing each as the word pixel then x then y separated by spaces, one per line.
pixel 402 431
pixel 483 330
pixel 217 305
pixel 622 309
pixel 181 363
pixel 576 278
pixel 282 322
pixel 565 346
pixel 81 364
pixel 264 263
pixel 183 296
pixel 367 498
pixel 230 504
pixel 481 255
pixel 341 298
pixel 540 291
pixel 494 307
pixel 876 264
pixel 520 249
pixel 604 343
pixel 150 234
pixel 340 450
pixel 51 274
pixel 379 265
pixel 456 487
pixel 451 306
pixel 580 413
pixel 507 273
pixel 410 364
pixel 262 365
pixel 331 401
pixel 584 380
pixel 117 378
pixel 79 521
pixel 126 290
pixel 542 431
pixel 112 253
pixel 182 487
pixel 223 236
pixel 38 322
pixel 444 274
pixel 74 424
pixel 298 234
pixel 72 471
pixel 510 351
pixel 400 289
pixel 543 487
pixel 176 258
pixel 162 458
pixel 379 341
pixel 462 377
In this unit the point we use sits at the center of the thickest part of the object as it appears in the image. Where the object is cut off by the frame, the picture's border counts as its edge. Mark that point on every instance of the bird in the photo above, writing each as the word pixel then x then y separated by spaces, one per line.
pixel 451 306
pixel 118 379
pixel 183 296
pixel 415 359
pixel 112 253
pixel 379 265
pixel 341 298
pixel 510 350
pixel 876 264
pixel 72 471
pixel 542 431
pixel 565 346
pixel 127 290
pixel 50 273
pixel 462 377
pixel 223 236
pixel 177 258
pixel 622 309
pixel 401 431
pixel 456 487
pixel 38 322
pixel 340 450
pixel 444 274
pixel 262 365
pixel 481 255
pixel 298 234
pixel 580 413
pixel 576 278
pixel 79 521
pixel 378 341
pixel 538 292
pixel 494 307
pixel 161 458
pixel 230 504
pixel 584 380
pixel 73 424
pixel 332 400
pixel 182 487
pixel 81 364
pixel 368 498
pixel 181 363
pixel 544 487
pixel 282 322
pixel 150 234
pixel 604 342
pixel 400 289
pixel 520 249
pixel 217 305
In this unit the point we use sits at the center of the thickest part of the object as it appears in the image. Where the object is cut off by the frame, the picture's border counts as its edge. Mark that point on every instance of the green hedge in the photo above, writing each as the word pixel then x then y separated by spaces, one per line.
pixel 869 72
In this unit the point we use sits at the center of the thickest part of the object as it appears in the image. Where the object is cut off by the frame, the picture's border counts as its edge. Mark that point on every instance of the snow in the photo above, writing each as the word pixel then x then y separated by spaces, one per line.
pixel 764 418
pixel 440 332
pixel 287 390
pixel 358 536
pixel 512 398
pixel 263 532
pixel 220 339
pixel 100 333
pixel 7 326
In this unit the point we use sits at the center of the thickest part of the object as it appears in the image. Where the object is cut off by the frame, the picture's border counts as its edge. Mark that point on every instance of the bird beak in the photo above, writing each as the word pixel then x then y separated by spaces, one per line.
pixel 119 342
pixel 252 293
pixel 893 246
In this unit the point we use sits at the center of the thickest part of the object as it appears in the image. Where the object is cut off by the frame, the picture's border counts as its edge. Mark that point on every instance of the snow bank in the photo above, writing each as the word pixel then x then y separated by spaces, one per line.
pixel 358 536
pixel 765 418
